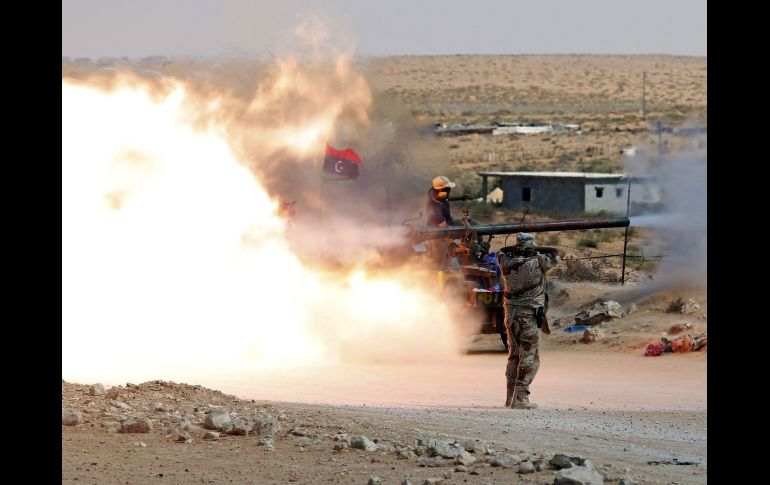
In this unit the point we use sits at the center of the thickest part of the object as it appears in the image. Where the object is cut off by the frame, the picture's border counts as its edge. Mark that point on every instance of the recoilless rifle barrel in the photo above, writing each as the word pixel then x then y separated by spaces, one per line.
pixel 422 233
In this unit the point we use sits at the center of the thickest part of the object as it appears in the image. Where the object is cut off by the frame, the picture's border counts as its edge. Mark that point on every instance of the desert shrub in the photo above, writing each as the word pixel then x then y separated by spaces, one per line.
pixel 606 236
pixel 588 243
pixel 675 306
pixel 553 239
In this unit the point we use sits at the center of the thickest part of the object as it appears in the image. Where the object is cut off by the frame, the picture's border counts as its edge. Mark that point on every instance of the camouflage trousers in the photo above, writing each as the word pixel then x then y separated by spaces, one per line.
pixel 523 342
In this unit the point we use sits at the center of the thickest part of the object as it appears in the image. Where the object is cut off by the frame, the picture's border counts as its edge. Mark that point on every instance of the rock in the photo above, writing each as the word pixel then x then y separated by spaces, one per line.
pixel 461 468
pixel 171 418
pixel 631 309
pixel 218 419
pixel 473 447
pixel 136 425
pixel 562 321
pixel 690 306
pixel 444 449
pixel 465 458
pixel 363 443
pixel 164 408
pixel 433 461
pixel 384 445
pixel 70 417
pixel 578 475
pixel 375 480
pixel 96 389
pixel 592 335
pixel 600 312
pixel 114 392
pixel 526 467
pixel 111 426
pixel 141 444
pixel 210 435
pixel 539 465
pixel 240 427
pixel 432 481
pixel 406 482
pixel 406 455
pixel 121 405
pixel 560 461
pixel 265 425
pixel 505 460
pixel 342 445
pixel 439 447
pixel 180 436
pixel 185 425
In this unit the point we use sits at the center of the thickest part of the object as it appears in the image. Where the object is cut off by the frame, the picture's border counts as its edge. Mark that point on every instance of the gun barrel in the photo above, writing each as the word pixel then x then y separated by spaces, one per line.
pixel 423 233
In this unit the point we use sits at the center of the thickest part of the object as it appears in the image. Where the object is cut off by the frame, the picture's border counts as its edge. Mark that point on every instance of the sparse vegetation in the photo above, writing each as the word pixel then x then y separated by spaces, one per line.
pixel 553 239
pixel 588 243
pixel 675 306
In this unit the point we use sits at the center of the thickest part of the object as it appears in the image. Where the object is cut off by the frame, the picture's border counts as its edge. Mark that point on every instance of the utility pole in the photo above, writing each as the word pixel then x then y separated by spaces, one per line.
pixel 644 89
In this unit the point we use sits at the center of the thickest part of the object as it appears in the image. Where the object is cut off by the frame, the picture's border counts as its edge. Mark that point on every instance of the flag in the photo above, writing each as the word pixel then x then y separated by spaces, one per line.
pixel 343 163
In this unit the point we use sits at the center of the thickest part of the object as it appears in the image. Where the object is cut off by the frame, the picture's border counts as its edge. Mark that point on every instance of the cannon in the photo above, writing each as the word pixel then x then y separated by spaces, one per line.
pixel 465 267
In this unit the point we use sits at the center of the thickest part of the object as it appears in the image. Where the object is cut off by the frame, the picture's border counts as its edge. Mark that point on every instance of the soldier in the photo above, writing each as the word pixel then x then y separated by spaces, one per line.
pixel 439 214
pixel 437 207
pixel 524 266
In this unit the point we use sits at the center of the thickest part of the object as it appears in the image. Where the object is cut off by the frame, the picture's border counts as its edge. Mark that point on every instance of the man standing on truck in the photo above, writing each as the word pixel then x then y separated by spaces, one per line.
pixel 437 207
pixel 438 212
pixel 524 267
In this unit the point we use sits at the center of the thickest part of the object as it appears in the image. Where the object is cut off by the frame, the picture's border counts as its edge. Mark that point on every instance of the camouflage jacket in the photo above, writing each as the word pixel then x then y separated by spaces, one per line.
pixel 524 278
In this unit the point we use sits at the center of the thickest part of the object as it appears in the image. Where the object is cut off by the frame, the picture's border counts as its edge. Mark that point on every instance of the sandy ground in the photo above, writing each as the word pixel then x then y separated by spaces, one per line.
pixel 566 379
pixel 635 418
pixel 620 410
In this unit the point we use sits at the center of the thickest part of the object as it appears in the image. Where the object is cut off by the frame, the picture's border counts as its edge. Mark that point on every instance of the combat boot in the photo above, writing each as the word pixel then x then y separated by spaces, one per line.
pixel 509 395
pixel 521 399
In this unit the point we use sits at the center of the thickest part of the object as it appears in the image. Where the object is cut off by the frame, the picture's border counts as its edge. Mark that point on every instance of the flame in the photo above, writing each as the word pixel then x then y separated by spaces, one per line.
pixel 175 260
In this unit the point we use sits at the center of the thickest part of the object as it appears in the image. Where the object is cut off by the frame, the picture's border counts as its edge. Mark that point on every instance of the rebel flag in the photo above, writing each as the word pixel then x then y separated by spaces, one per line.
pixel 343 163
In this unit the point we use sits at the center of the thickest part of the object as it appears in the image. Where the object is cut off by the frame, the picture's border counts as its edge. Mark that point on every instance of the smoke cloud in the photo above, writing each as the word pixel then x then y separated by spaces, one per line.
pixel 679 230
pixel 176 257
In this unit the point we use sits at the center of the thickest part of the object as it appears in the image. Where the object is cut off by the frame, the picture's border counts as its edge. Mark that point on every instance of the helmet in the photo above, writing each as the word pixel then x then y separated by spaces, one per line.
pixel 442 182
pixel 525 239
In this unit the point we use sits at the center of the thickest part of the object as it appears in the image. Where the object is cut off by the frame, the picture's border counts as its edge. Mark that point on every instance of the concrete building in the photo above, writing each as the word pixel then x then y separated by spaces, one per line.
pixel 575 192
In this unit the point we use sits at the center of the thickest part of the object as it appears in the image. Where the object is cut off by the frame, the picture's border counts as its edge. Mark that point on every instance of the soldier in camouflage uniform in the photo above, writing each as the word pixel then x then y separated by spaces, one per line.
pixel 524 268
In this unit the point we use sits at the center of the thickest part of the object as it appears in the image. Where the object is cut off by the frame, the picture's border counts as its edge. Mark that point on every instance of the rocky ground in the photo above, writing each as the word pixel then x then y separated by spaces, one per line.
pixel 607 413
pixel 164 432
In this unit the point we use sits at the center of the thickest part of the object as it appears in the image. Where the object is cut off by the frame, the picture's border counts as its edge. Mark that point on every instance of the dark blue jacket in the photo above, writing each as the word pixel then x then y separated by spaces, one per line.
pixel 437 210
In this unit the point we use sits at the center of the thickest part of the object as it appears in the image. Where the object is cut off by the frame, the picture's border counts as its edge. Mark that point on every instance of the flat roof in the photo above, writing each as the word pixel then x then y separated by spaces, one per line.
pixel 582 175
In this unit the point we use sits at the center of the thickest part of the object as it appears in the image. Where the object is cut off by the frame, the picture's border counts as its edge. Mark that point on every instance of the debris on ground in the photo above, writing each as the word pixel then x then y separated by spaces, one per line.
pixel 685 343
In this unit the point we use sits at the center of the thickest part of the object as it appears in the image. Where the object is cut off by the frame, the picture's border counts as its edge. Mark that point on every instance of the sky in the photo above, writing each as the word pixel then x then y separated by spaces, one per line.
pixel 209 28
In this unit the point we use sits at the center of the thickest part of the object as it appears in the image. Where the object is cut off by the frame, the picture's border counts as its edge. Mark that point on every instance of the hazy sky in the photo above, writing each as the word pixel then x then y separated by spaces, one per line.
pixel 136 28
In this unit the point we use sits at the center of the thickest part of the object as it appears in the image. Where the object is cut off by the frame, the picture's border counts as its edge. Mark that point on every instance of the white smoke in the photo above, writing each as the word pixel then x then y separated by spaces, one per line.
pixel 679 231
